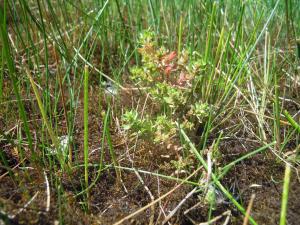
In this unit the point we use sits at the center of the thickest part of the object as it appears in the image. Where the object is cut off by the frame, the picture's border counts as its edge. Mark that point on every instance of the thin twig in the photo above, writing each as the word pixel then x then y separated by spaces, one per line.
pixel 151 196
pixel 172 213
pixel 155 201
pixel 25 206
pixel 226 213
pixel 246 218
pixel 47 192
pixel 3 175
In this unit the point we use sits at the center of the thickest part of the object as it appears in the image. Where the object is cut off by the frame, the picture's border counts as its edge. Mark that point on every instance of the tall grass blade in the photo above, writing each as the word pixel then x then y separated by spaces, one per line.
pixel 86 130
pixel 52 134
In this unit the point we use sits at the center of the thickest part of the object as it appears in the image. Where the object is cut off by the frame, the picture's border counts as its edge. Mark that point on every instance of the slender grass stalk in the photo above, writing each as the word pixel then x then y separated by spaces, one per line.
pixel 45 42
pixel 277 113
pixel 52 134
pixel 298 48
pixel 217 63
pixel 287 21
pixel 285 194
pixel 179 37
pixel 101 163
pixel 209 34
pixel 2 75
pixel 86 130
pixel 265 85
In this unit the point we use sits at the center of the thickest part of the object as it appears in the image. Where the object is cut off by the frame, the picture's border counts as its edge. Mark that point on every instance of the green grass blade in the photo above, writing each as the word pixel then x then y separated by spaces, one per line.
pixel 52 134
pixel 285 194
pixel 86 129
pixel 246 156
pixel 292 121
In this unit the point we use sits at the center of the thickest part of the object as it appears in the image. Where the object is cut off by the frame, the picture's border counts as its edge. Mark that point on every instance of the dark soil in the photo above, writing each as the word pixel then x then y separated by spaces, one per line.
pixel 110 200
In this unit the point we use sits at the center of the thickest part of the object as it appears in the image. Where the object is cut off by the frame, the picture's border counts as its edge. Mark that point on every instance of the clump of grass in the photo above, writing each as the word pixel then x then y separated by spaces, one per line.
pixel 7 57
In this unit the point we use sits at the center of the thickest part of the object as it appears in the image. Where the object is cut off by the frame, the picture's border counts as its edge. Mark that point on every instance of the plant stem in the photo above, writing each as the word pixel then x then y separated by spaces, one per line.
pixel 285 194
pixel 86 130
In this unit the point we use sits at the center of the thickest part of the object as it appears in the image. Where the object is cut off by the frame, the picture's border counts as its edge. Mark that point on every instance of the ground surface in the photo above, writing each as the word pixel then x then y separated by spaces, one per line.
pixel 111 201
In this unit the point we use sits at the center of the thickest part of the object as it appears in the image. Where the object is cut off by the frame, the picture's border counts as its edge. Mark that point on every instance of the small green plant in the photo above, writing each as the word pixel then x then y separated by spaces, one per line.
pixel 169 78
pixel 133 122
pixel 164 128
pixel 182 164
pixel 159 129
